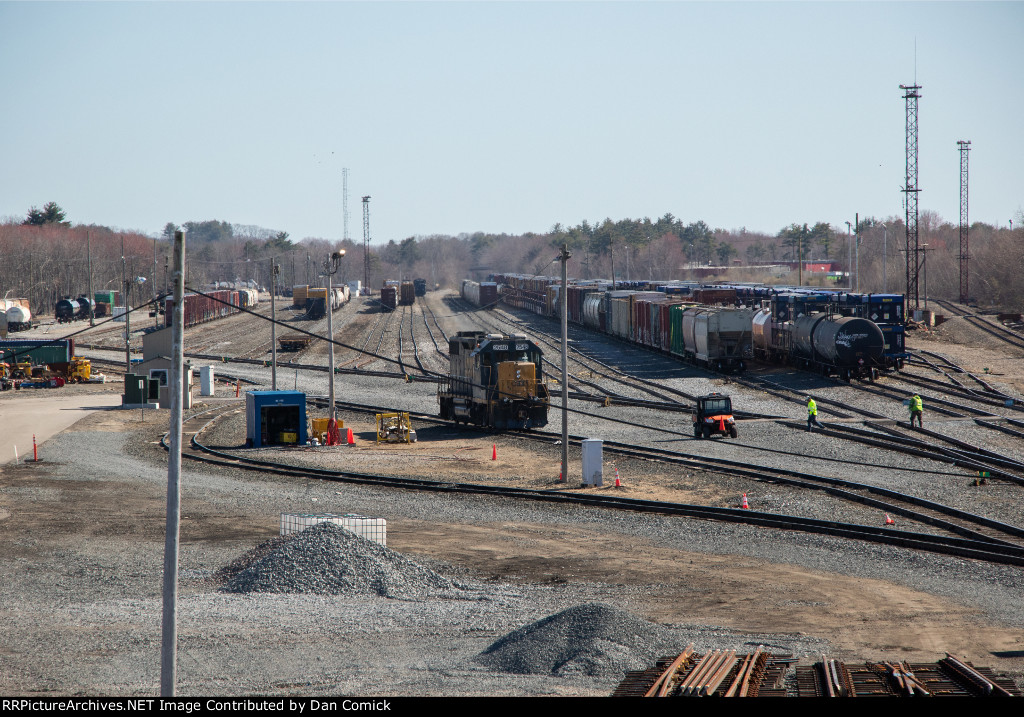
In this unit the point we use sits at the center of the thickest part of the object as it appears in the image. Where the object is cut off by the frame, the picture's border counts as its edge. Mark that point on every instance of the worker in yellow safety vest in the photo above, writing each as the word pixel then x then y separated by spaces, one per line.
pixel 916 410
pixel 812 413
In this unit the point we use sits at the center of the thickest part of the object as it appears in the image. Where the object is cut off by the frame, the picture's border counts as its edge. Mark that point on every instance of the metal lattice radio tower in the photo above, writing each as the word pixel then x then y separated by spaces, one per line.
pixel 911 190
pixel 965 147
pixel 344 202
pixel 366 242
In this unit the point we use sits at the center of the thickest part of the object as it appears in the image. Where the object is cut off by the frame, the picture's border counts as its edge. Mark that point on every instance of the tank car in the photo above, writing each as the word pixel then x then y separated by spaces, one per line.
pixel 66 310
pixel 85 304
pixel 19 318
pixel 495 381
pixel 850 346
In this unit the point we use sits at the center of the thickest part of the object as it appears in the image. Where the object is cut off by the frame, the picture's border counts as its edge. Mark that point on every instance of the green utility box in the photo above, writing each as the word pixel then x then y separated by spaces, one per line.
pixel 140 391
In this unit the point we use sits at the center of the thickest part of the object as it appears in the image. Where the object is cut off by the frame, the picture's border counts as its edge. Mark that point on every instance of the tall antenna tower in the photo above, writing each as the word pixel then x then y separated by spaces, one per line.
pixel 911 190
pixel 366 242
pixel 344 201
pixel 965 147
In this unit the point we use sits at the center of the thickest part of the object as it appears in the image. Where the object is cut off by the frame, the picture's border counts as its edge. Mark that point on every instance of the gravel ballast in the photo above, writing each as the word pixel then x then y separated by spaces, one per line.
pixel 327 559
pixel 592 639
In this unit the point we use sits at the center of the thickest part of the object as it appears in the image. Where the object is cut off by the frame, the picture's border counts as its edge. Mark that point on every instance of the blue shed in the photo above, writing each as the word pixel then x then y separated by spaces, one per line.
pixel 275 418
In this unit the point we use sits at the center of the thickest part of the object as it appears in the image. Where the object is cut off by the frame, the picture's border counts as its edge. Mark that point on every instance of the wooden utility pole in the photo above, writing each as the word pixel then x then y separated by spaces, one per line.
pixel 564 257
pixel 275 268
pixel 169 640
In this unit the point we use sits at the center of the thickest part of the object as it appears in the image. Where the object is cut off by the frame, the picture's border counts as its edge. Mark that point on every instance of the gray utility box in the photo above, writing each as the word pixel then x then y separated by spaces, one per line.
pixel 187 380
pixel 593 461
pixel 206 381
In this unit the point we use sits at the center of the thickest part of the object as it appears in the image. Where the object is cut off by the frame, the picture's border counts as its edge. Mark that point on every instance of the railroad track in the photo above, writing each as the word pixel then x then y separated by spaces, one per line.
pixel 425 309
pixel 1007 336
pixel 762 674
pixel 982 545
pixel 364 355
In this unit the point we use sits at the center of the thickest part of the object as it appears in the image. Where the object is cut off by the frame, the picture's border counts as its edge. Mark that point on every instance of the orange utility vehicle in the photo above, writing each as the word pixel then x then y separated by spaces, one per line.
pixel 713 415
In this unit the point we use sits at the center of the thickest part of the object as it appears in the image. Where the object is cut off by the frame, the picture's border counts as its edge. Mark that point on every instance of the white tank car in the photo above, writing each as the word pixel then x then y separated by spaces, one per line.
pixel 19 318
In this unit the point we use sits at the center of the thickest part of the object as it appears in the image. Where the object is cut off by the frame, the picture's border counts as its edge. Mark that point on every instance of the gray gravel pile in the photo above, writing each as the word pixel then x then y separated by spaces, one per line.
pixel 327 559
pixel 592 639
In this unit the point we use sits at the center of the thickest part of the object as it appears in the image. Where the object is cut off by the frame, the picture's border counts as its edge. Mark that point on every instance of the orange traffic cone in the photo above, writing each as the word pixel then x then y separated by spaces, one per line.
pixel 618 484
pixel 349 438
pixel 888 520
pixel 746 505
pixel 494 452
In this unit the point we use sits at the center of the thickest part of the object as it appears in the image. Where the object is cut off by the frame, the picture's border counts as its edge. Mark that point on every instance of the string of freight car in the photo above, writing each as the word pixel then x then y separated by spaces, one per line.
pixel 429 376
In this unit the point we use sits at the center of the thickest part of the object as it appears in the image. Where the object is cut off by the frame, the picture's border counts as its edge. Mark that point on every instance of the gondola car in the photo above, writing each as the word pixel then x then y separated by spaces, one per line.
pixel 494 381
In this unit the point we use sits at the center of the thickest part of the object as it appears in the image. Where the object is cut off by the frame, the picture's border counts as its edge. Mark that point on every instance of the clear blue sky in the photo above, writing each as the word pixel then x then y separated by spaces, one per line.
pixel 467 116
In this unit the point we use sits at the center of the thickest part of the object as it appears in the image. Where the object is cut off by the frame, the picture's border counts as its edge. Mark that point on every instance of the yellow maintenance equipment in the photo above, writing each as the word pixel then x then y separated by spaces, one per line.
pixel 80 370
pixel 319 428
pixel 77 370
pixel 395 428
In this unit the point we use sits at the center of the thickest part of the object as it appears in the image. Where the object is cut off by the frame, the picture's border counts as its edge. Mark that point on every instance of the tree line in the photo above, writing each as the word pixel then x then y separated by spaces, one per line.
pixel 46 255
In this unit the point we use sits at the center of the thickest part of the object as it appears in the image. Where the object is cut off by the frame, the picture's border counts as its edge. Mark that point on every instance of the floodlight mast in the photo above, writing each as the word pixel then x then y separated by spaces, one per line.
pixel 911 190
pixel 330 269
pixel 965 147
pixel 564 257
